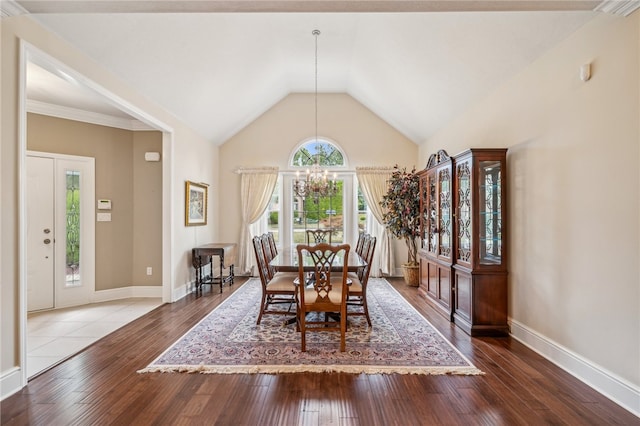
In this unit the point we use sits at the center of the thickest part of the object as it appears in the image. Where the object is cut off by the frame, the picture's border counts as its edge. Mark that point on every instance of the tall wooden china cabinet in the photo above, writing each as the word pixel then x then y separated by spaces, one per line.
pixel 463 265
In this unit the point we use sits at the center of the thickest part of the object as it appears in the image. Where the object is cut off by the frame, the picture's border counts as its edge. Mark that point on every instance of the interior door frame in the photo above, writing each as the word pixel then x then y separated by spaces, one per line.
pixel 29 52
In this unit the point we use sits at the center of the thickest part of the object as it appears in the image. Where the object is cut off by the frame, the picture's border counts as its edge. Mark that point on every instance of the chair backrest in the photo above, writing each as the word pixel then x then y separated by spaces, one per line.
pixel 272 244
pixel 268 253
pixel 360 243
pixel 323 256
pixel 318 236
pixel 368 251
pixel 263 268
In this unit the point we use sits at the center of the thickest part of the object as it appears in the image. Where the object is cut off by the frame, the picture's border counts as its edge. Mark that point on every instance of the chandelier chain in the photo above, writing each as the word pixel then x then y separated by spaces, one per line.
pixel 316 183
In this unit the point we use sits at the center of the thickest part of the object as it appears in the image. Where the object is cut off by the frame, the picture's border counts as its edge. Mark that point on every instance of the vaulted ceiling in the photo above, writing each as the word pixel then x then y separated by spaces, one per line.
pixel 218 65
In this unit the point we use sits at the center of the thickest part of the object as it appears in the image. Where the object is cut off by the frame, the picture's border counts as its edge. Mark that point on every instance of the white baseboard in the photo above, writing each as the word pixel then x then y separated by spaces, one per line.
pixel 613 387
pixel 126 292
pixel 10 382
pixel 182 291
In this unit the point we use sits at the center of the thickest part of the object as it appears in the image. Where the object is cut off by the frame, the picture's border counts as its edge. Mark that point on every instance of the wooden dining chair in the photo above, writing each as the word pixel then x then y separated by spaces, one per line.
pixel 326 294
pixel 277 288
pixel 358 288
pixel 315 236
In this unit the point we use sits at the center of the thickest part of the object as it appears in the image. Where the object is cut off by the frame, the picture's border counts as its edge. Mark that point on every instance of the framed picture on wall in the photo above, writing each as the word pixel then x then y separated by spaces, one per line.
pixel 196 203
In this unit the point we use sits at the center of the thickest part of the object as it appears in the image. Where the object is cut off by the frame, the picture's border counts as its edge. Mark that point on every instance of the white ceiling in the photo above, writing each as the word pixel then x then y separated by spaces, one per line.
pixel 219 71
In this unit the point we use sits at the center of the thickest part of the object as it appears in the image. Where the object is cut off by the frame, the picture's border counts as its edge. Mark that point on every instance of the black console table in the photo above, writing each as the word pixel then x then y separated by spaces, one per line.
pixel 203 256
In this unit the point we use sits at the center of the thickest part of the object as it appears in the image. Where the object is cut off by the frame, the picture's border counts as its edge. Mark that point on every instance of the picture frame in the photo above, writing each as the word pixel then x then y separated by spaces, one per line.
pixel 196 200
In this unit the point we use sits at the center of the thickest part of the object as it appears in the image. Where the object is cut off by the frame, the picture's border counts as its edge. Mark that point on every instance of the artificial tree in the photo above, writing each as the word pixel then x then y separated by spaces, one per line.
pixel 401 215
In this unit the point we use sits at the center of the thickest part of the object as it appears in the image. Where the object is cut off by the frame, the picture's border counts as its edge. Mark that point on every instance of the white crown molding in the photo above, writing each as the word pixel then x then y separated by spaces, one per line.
pixel 618 7
pixel 9 8
pixel 68 113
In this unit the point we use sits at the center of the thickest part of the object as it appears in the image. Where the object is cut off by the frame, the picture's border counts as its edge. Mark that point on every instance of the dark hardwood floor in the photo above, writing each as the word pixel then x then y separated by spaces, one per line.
pixel 100 386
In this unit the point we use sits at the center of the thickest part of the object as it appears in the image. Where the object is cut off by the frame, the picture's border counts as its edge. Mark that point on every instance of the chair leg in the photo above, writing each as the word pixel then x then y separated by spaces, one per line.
pixel 262 308
pixel 343 330
pixel 366 310
pixel 303 331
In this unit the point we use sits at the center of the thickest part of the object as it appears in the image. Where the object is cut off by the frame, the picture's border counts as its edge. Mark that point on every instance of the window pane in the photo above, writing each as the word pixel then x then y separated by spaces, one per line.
pixel 362 212
pixel 326 153
pixel 319 213
pixel 273 214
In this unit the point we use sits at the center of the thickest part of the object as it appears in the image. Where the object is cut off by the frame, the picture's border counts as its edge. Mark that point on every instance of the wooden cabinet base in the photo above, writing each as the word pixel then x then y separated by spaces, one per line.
pixel 480 302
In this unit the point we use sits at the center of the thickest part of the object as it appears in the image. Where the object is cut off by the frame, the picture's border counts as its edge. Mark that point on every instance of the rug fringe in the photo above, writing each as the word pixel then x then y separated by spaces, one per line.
pixel 279 369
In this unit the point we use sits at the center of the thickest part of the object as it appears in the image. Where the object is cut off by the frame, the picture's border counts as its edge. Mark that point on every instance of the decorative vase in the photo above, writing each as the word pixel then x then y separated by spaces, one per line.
pixel 411 274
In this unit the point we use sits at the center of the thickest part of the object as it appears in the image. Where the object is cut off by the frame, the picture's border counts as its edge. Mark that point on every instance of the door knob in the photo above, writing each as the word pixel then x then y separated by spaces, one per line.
pixel 47 230
pixel 47 241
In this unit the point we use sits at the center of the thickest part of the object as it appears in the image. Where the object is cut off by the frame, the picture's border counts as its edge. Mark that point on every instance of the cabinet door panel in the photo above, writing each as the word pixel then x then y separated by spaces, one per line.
pixel 463 295
pixel 445 286
pixel 432 280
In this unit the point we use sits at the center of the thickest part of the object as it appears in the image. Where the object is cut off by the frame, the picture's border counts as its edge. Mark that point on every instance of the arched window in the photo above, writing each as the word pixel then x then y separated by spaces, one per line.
pixel 326 153
pixel 289 215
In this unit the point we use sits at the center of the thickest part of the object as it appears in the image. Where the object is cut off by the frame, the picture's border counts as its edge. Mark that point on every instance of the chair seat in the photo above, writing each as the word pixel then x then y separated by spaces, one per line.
pixel 335 296
pixel 282 282
pixel 355 286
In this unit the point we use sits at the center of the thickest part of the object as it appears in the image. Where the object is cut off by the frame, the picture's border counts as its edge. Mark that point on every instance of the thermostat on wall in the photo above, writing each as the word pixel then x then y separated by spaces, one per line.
pixel 104 204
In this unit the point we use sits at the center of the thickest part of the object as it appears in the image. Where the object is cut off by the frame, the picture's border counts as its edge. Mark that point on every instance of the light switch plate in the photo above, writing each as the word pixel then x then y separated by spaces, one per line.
pixel 104 217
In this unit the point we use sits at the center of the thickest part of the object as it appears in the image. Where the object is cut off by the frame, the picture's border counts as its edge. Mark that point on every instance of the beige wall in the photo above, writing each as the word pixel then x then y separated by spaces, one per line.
pixel 147 210
pixel 573 202
pixel 272 138
pixel 185 156
pixel 132 240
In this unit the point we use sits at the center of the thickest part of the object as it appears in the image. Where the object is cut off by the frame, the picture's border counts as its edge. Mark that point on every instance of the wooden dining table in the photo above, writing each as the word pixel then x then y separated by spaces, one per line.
pixel 287 261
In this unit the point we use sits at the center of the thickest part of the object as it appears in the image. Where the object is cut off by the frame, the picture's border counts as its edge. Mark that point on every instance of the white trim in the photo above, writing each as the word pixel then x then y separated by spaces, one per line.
pixel 618 7
pixel 180 292
pixel 126 292
pixel 22 213
pixel 9 8
pixel 620 391
pixel 10 382
pixel 29 52
pixel 43 108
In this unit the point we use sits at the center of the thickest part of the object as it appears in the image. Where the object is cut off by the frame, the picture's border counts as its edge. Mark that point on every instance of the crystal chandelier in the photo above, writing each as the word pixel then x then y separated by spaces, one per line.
pixel 316 182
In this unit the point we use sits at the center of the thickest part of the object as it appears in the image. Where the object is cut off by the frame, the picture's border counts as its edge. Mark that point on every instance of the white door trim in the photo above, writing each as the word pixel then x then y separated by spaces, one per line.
pixel 29 52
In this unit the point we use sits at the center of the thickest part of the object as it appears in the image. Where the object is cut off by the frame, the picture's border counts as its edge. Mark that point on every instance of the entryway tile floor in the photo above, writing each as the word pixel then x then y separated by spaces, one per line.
pixel 59 333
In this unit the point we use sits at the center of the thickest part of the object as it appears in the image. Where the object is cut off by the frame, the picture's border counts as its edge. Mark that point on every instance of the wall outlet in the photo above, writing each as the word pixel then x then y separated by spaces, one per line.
pixel 149 270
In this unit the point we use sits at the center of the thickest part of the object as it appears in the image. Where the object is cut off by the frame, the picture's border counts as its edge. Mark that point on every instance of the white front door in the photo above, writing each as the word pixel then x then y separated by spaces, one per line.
pixel 70 278
pixel 40 233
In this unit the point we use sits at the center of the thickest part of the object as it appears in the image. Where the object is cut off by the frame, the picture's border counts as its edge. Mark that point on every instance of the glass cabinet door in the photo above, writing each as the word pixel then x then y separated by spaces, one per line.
pixel 490 213
pixel 432 210
pixel 444 199
pixel 463 174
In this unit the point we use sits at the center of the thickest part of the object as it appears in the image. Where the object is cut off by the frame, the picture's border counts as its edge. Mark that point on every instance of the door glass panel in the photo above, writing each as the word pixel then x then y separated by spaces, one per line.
pixel 464 211
pixel 445 213
pixel 73 228
pixel 433 215
pixel 490 213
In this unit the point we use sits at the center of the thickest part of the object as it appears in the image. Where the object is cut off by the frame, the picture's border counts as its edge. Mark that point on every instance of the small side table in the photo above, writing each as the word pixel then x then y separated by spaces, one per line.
pixel 203 256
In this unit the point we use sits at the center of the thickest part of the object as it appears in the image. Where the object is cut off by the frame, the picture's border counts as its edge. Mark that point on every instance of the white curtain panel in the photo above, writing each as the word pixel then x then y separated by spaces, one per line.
pixel 373 183
pixel 256 187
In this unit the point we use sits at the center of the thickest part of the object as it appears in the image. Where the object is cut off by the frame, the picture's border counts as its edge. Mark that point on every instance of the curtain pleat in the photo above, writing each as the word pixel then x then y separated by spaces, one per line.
pixel 373 184
pixel 256 188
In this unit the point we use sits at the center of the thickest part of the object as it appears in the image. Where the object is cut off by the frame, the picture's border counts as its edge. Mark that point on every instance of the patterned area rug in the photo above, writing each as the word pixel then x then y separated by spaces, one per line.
pixel 229 341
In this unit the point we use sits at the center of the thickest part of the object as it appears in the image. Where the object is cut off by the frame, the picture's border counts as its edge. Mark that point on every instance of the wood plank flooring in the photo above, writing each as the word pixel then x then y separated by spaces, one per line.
pixel 100 386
